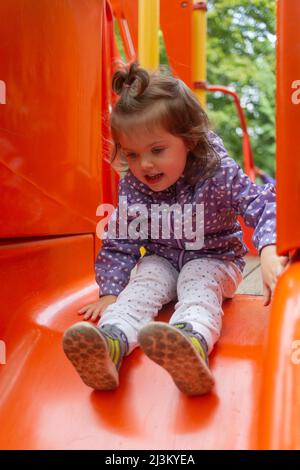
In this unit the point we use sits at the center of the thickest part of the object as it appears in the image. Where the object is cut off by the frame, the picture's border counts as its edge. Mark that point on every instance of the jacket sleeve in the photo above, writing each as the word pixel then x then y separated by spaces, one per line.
pixel 256 204
pixel 116 258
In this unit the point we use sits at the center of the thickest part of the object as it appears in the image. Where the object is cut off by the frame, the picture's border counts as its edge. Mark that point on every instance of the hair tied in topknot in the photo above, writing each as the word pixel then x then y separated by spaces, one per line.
pixel 132 76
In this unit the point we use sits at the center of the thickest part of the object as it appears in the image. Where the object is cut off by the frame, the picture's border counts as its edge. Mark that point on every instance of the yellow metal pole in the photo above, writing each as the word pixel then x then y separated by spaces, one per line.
pixel 148 45
pixel 148 42
pixel 199 32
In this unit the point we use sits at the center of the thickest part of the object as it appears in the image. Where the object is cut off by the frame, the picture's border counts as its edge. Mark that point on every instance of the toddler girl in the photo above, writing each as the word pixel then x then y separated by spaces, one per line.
pixel 173 162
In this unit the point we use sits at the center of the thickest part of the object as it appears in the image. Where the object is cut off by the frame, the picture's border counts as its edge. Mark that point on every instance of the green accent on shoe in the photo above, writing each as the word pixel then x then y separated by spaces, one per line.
pixel 117 343
pixel 196 343
pixel 114 349
pixel 181 326
pixel 196 339
pixel 172 349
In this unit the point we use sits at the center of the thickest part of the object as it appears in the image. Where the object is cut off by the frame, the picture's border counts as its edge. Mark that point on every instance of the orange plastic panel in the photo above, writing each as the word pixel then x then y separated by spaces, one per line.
pixel 280 399
pixel 176 24
pixel 109 178
pixel 126 14
pixel 288 122
pixel 50 127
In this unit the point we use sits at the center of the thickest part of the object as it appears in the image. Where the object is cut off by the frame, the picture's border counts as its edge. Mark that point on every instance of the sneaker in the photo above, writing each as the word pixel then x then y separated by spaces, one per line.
pixel 96 353
pixel 176 351
pixel 196 338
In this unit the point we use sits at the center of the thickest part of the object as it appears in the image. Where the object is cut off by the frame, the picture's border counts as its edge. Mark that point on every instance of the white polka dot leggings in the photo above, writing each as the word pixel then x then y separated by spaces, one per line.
pixel 200 288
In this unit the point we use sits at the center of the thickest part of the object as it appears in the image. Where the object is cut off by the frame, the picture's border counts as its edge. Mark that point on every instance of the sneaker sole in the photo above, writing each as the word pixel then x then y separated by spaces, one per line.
pixel 87 350
pixel 172 350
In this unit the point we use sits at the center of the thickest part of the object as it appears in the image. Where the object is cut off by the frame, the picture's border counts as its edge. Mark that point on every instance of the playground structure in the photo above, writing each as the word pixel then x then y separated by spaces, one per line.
pixel 55 76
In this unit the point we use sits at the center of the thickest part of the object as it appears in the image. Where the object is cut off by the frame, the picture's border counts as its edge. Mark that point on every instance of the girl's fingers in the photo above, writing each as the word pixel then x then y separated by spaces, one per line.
pixel 92 310
pixel 86 307
pixel 267 295
pixel 83 309
pixel 88 313
pixel 81 312
pixel 284 260
pixel 96 314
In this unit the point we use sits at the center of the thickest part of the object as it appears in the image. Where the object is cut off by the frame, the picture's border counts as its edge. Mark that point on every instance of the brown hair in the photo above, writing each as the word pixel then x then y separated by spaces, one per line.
pixel 151 99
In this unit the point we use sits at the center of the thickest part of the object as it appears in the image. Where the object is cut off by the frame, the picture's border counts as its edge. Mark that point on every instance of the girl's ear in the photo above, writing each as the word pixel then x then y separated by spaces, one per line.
pixel 191 142
pixel 191 146
pixel 188 145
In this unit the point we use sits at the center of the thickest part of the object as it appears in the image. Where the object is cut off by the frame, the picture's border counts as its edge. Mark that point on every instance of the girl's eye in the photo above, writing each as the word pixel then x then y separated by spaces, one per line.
pixel 157 150
pixel 131 155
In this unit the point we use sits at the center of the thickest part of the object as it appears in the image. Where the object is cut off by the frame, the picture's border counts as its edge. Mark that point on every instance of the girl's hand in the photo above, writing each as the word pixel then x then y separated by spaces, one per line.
pixel 272 266
pixel 95 309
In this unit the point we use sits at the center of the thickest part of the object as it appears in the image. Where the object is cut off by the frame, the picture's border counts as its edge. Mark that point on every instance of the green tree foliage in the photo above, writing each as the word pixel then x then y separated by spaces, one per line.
pixel 241 55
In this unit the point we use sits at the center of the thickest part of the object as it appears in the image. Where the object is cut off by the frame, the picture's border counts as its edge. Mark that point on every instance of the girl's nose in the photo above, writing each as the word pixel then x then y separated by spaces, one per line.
pixel 146 163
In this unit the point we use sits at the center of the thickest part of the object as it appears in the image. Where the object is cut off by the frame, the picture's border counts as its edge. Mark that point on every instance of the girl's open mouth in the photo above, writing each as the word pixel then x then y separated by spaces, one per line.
pixel 154 178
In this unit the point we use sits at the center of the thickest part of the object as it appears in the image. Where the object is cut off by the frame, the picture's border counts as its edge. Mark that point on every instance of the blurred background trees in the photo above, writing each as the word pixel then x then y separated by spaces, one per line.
pixel 241 55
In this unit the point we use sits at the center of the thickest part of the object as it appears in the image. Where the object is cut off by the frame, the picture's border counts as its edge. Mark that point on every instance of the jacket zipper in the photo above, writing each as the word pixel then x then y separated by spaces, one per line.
pixel 179 244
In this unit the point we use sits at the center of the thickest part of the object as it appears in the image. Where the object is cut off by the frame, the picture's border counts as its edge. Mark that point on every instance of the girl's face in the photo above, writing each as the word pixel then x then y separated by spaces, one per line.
pixel 157 159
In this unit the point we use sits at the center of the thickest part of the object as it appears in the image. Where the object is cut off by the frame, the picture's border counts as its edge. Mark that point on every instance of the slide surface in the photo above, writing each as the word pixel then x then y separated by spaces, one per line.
pixel 44 404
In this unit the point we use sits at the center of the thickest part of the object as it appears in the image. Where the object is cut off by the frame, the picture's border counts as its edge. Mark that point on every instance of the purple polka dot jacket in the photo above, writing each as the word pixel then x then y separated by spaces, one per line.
pixel 229 193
